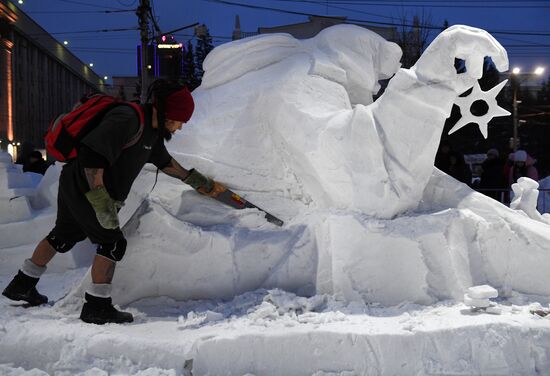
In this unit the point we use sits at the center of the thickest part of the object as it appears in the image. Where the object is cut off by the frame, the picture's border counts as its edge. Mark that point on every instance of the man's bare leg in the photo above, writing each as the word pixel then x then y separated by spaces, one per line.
pixel 23 285
pixel 43 253
pixel 103 270
pixel 98 308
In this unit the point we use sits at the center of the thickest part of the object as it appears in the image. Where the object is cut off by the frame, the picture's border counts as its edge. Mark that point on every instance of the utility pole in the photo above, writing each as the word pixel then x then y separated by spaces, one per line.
pixel 143 16
pixel 515 102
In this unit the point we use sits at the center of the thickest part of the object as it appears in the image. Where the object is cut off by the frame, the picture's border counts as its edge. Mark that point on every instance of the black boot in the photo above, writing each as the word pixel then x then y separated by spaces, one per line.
pixel 100 311
pixel 23 287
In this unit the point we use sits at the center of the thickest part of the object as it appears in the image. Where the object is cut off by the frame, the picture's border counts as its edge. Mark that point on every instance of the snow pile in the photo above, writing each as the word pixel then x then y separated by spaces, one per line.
pixel 272 332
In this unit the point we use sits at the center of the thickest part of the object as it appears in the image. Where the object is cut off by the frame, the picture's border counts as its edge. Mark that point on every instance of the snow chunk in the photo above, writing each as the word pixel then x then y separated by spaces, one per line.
pixel 482 292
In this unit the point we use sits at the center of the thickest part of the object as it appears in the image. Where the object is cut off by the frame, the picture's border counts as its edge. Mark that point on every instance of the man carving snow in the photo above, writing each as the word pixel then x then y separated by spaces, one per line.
pixel 93 186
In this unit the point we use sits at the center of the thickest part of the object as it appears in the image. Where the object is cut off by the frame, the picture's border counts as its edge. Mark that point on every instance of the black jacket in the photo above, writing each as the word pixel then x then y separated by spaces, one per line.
pixel 104 148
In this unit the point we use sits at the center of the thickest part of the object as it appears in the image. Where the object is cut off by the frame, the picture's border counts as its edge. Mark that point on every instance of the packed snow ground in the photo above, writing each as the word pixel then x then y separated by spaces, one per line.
pixel 270 332
pixel 369 272
pixel 264 331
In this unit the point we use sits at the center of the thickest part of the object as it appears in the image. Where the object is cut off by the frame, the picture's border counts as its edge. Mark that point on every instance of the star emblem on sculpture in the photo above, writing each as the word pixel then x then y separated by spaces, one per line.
pixel 489 97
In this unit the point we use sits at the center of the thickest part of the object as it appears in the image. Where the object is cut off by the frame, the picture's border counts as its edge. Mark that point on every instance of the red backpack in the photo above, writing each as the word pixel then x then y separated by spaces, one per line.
pixel 66 131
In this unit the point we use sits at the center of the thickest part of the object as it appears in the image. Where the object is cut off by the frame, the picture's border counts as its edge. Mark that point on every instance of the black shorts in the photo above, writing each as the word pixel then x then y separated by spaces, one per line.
pixel 76 219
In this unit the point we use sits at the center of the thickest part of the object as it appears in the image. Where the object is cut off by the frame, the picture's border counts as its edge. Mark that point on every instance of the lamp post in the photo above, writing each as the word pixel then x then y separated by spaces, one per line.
pixel 516 73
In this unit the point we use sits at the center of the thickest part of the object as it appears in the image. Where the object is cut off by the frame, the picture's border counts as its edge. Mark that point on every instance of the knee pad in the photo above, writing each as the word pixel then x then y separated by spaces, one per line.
pixel 60 245
pixel 113 251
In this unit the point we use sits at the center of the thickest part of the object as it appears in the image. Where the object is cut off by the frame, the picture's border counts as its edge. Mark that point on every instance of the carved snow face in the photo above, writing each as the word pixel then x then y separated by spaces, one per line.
pixel 357 60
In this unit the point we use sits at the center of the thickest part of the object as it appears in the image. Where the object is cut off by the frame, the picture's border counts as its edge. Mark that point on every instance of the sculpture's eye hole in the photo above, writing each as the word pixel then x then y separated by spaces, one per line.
pixel 460 66
pixel 467 92
pixel 479 108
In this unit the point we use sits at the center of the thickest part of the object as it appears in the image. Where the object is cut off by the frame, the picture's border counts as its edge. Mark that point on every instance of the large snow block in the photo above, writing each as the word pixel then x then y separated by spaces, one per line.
pixel 5 159
pixel 46 191
pixel 14 234
pixel 171 257
pixel 419 258
pixel 15 209
pixel 510 251
pixel 362 260
pixel 15 178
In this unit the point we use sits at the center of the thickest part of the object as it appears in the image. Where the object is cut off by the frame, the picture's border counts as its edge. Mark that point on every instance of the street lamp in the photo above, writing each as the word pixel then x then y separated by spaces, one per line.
pixel 516 72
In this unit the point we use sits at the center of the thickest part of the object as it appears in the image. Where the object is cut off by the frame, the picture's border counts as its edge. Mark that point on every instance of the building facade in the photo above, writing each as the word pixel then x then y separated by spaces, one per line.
pixel 164 58
pixel 311 28
pixel 39 78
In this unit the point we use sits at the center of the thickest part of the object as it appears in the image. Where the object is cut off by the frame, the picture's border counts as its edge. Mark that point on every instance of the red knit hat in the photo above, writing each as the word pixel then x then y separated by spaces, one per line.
pixel 179 105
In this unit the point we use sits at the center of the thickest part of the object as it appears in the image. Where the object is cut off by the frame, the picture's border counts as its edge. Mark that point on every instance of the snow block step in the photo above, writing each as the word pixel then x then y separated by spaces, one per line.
pixel 478 303
pixel 16 209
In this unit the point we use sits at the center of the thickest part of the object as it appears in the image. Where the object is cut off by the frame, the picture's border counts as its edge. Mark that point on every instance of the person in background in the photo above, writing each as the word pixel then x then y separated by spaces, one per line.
pixel 442 158
pixel 492 175
pixel 458 168
pixel 24 152
pixel 36 163
pixel 520 164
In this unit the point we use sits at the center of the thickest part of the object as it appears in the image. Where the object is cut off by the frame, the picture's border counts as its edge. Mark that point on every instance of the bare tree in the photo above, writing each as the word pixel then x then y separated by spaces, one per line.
pixel 412 36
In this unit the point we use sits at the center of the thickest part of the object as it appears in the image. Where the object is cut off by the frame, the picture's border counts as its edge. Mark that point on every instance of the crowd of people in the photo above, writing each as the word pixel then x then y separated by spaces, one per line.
pixel 497 172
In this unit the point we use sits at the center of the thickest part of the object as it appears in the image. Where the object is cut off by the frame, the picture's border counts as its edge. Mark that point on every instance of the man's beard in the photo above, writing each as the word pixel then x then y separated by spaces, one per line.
pixel 166 134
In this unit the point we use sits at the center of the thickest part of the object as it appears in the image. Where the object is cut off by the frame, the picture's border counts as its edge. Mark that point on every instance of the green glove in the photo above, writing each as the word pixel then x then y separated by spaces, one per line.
pixel 104 206
pixel 198 181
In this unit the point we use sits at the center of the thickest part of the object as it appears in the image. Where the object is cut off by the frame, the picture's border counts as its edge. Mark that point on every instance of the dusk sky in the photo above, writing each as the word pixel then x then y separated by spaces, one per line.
pixel 514 23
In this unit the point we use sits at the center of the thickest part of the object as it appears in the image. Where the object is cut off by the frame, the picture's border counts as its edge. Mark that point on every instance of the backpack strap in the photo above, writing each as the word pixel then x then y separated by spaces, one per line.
pixel 141 116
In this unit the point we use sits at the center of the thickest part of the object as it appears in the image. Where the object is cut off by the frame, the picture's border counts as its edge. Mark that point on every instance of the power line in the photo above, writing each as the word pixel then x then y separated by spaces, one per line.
pixel 85 31
pixel 526 46
pixel 127 5
pixel 106 52
pixel 433 1
pixel 430 27
pixel 341 8
pixel 534 44
pixel 88 4
pixel 80 11
pixel 421 3
pixel 154 18
pixel 103 37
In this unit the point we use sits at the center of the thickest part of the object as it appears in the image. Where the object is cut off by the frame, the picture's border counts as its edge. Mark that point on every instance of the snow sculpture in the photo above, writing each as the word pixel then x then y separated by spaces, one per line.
pixel 321 139
pixel 15 187
pixel 525 198
pixel 291 126
pixel 489 97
